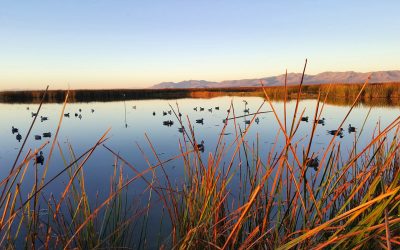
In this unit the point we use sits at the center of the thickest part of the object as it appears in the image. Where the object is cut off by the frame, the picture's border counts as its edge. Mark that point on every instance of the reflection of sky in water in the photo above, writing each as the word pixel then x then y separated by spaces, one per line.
pixel 83 133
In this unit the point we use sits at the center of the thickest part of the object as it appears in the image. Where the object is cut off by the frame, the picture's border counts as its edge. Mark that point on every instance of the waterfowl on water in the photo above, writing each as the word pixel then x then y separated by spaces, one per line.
pixel 351 129
pixel 246 122
pixel 181 129
pixel 39 158
pixel 200 120
pixel 66 115
pixel 195 109
pixel 33 114
pixel 14 130
pixel 304 119
pixel 313 163
pixel 180 114
pixel 200 146
pixel 257 120
pixel 217 108
pixel 320 121
pixel 246 110
pixel 43 118
pixel 169 112
pixel 76 114
pixel 80 110
pixel 27 108
pixel 164 113
pixel 19 137
pixel 210 110
pixel 168 123
pixel 38 137
pixel 154 113
pixel 47 134
pixel 92 110
pixel 336 132
pixel 80 116
pixel 201 109
pixel 245 102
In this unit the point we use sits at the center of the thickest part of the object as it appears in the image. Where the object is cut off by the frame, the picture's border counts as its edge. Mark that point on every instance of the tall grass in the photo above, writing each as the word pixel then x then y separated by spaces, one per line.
pixel 232 197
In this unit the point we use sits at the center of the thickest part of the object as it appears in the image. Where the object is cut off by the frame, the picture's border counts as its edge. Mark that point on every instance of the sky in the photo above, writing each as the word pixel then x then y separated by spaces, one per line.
pixel 135 44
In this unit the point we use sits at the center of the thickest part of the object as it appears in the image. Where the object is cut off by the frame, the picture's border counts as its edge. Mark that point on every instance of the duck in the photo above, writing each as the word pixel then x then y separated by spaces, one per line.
pixel 154 113
pixel 169 112
pixel 66 115
pixel 217 108
pixel 200 120
pixel 80 110
pixel 33 114
pixel 336 132
pixel 180 114
pixel 47 134
pixel 351 129
pixel 14 130
pixel 210 110
pixel 195 109
pixel 168 123
pixel 257 120
pixel 92 110
pixel 246 122
pixel 320 121
pixel 181 129
pixel 38 137
pixel 76 114
pixel 304 119
pixel 80 116
pixel 39 158
pixel 164 113
pixel 246 110
pixel 245 102
pixel 312 163
pixel 201 109
pixel 27 108
pixel 43 118
pixel 19 137
pixel 200 146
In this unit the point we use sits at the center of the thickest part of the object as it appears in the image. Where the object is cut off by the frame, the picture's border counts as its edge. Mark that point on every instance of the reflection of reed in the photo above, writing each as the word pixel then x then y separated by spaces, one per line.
pixel 376 94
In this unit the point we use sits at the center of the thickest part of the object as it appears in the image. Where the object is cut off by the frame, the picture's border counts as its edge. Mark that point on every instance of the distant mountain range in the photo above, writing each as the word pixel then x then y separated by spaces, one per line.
pixel 293 78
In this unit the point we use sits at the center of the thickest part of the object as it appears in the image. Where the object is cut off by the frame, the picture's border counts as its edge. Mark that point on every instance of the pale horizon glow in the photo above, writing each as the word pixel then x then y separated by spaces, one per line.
pixel 136 44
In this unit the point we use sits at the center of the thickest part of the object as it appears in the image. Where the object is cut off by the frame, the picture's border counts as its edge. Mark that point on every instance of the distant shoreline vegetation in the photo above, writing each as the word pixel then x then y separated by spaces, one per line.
pixel 380 94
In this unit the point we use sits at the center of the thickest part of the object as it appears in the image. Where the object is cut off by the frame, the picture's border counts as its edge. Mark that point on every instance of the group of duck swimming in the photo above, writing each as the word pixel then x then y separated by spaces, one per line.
pixel 337 132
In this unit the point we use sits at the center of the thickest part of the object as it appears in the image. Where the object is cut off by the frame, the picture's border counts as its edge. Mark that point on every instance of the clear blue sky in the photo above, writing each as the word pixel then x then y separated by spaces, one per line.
pixel 135 44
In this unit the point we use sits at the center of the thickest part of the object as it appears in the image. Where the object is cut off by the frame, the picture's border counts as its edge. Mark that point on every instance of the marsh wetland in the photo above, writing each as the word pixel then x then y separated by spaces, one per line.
pixel 223 172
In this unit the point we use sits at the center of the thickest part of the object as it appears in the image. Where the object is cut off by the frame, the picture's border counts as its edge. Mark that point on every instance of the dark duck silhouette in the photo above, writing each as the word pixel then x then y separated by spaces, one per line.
pixel 39 158
pixel 48 134
pixel 14 130
pixel 92 110
pixel 43 118
pixel 201 121
pixel 313 163
pixel 154 113
pixel 304 119
pixel 257 120
pixel 164 113
pixel 195 109
pixel 201 109
pixel 19 137
pixel 217 108
pixel 168 123
pixel 66 115
pixel 333 132
pixel 351 129
pixel 33 114
pixel 38 137
pixel 181 129
pixel 200 146
pixel 320 121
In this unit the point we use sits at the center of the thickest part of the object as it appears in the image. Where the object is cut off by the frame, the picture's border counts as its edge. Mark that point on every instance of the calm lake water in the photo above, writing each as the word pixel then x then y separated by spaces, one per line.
pixel 131 120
